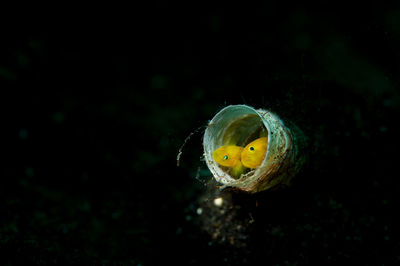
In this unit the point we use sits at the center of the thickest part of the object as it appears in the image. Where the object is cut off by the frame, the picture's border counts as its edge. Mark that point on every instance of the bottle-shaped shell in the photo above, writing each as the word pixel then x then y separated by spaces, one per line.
pixel 240 125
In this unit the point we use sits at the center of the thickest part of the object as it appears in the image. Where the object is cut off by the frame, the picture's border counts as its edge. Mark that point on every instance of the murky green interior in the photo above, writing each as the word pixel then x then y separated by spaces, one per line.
pixel 243 131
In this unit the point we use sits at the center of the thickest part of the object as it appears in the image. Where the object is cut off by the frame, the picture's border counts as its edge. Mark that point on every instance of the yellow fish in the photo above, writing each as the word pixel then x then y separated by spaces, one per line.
pixel 229 156
pixel 254 153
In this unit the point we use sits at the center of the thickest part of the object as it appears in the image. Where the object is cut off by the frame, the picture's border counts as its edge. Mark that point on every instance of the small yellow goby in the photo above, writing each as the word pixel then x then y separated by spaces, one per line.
pixel 229 156
pixel 254 153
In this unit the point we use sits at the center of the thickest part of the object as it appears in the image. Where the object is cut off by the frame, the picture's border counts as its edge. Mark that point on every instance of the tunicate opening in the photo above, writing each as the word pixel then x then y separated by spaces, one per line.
pixel 240 125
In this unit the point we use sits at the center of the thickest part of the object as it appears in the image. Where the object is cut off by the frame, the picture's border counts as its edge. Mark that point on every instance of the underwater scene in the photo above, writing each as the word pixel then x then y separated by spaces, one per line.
pixel 195 135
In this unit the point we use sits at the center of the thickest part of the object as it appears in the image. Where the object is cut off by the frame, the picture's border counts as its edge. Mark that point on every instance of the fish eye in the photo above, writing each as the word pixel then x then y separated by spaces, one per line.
pixel 251 148
pixel 226 157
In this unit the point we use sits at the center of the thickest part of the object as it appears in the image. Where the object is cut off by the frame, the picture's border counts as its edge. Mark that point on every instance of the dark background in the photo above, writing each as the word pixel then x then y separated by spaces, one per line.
pixel 94 113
